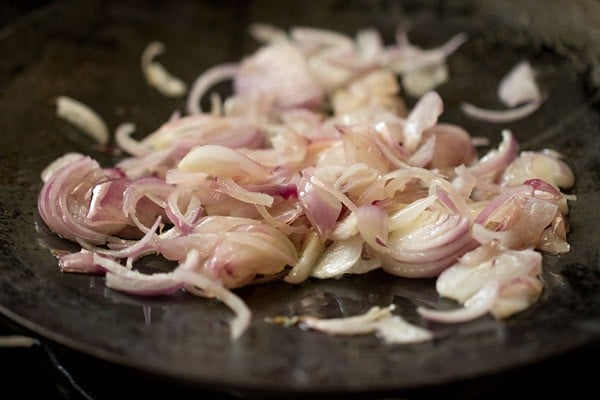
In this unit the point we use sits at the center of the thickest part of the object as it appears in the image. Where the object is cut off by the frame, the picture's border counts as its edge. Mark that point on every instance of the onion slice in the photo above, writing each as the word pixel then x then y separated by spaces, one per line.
pixel 205 81
pixel 391 328
pixel 83 117
pixel 157 76
pixel 519 86
pixel 502 116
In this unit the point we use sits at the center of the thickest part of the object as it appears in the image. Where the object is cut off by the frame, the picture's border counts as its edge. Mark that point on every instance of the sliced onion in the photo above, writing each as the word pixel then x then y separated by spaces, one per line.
pixel 281 72
pixel 312 250
pixel 406 57
pixel 501 200
pixel 154 189
pixel 266 33
pixel 427 269
pixel 134 282
pixel 79 262
pixel 391 328
pixel 477 306
pixel 420 81
pixel 517 296
pixel 139 248
pixel 315 38
pixel 126 143
pixel 373 225
pixel 229 187
pixel 409 213
pixel 355 325
pixel 183 222
pixel 205 81
pixel 398 331
pixel 461 281
pixel 321 208
pixel 83 117
pixel 497 160
pixel 422 117
pixel 223 162
pixel 453 147
pixel 502 116
pixel 269 185
pixel 543 166
pixel 58 164
pixel 63 199
pixel 157 76
pixel 338 258
pixel 519 86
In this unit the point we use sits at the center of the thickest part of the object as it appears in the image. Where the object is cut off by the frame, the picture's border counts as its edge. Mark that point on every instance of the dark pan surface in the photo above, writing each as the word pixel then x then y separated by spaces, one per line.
pixel 91 52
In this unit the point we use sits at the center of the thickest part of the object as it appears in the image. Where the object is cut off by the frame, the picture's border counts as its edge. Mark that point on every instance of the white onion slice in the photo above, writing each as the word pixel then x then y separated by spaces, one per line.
pixel 475 307
pixel 126 143
pixel 423 116
pixel 373 225
pixel 312 250
pixel 391 328
pixel 223 162
pixel 205 81
pixel 519 86
pixel 339 258
pixel 156 74
pixel 83 117
pixel 502 116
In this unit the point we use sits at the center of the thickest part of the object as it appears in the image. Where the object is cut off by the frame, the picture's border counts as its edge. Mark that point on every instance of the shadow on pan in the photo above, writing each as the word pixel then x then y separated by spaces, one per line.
pixel 91 51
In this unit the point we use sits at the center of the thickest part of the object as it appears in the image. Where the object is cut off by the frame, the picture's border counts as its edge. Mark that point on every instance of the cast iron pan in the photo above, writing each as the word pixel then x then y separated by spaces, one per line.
pixel 90 51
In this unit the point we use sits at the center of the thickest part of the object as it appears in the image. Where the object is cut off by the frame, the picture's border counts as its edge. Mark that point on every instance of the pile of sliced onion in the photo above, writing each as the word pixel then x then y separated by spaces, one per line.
pixel 267 185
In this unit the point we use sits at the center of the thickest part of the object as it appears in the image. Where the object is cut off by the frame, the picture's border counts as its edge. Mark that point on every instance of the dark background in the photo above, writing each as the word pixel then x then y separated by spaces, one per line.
pixel 49 371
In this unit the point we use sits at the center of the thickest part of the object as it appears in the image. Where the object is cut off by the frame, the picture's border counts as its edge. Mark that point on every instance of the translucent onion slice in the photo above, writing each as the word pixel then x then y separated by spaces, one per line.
pixel 126 143
pixel 134 282
pixel 154 189
pixel 183 222
pixel 338 258
pixel 83 117
pixel 144 246
pixel 312 250
pixel 373 224
pixel 223 162
pixel 156 74
pixel 58 164
pixel 419 81
pixel 475 307
pixel 229 187
pixel 519 86
pixel 391 328
pixel 79 262
pixel 423 116
pixel 65 191
pixel 405 57
pixel 516 296
pixel 321 207
pixel 534 165
pixel 410 212
pixel 497 160
pixel 460 281
pixel 267 33
pixel 502 116
pixel 281 72
pixel 205 81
